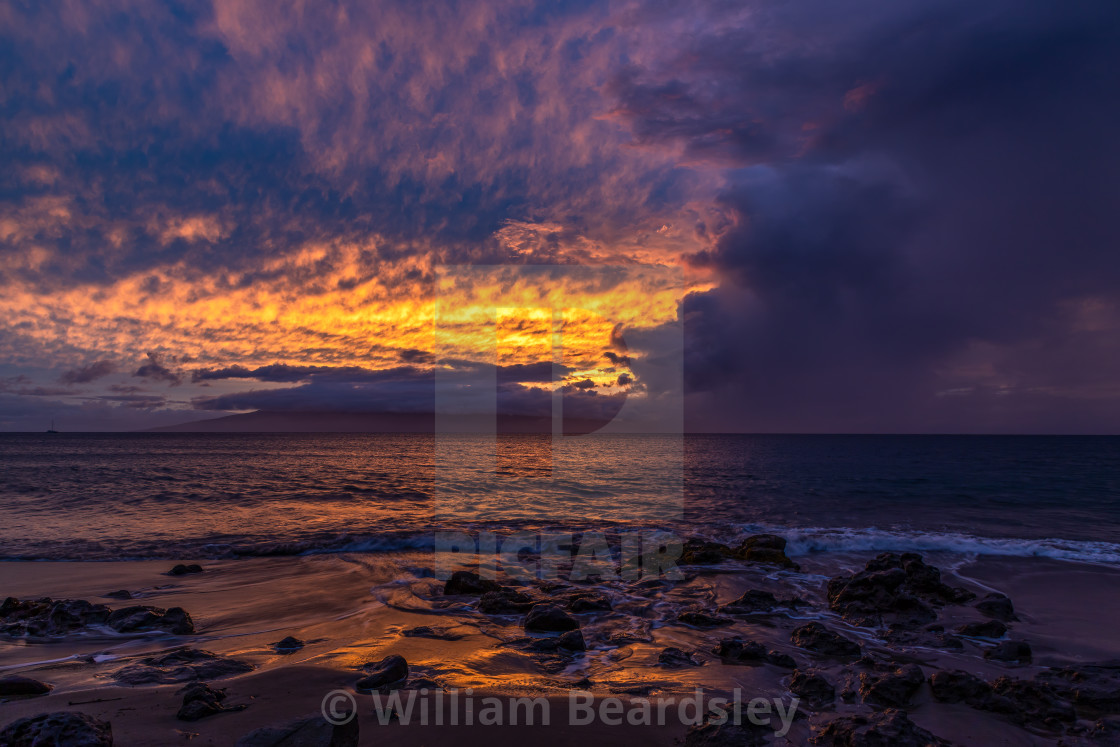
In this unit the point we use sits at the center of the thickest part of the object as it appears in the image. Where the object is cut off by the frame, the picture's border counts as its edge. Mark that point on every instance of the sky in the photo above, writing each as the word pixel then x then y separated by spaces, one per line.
pixel 798 216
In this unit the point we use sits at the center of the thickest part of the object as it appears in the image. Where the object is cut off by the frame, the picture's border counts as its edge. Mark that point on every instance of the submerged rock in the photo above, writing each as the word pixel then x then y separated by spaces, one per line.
pixel 389 673
pixel 765 548
pixel 289 645
pixel 465 582
pixel 547 618
pixel 185 570
pixel 899 589
pixel 588 601
pixel 891 727
pixel 997 606
pixel 119 594
pixel 701 619
pixel 1010 651
pixel 425 631
pixel 180 665
pixel 987 629
pixel 15 686
pixel 814 690
pixel 756 601
pixel 64 729
pixel 817 638
pixel 314 731
pixel 504 602
pixel 895 689
pixel 200 700
pixel 144 617
pixel 675 657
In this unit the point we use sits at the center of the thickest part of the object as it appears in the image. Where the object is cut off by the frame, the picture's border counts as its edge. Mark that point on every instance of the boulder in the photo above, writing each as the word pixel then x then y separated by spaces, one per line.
pixel 200 700
pixel 314 731
pixel 141 618
pixel 182 664
pixel 750 653
pixel 897 589
pixel 185 570
pixel 891 727
pixel 1010 651
pixel 15 686
pixel 465 582
pixel 61 729
pixel 820 640
pixel 997 606
pixel 729 734
pixel 388 674
pixel 895 689
pixel 701 619
pixel 573 641
pixel 769 549
pixel 703 552
pixel 813 689
pixel 289 645
pixel 547 618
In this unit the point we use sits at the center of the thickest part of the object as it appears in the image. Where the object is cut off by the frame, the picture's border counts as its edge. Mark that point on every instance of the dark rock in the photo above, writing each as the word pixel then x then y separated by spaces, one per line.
pixel 119 594
pixel 1013 651
pixel 744 734
pixel 504 602
pixel 143 617
pixel 290 645
pixel 588 601
pixel 765 548
pixel 814 690
pixel 62 729
pixel 674 657
pixel 315 731
pixel 1093 688
pixel 573 641
pixel 180 665
pixel 389 673
pixel 185 570
pixel 425 631
pixel 547 618
pixel 700 619
pixel 778 659
pixel 998 606
pixel 465 582
pixel 894 689
pixel 756 601
pixel 960 687
pixel 987 629
pixel 891 728
pixel 200 700
pixel 899 589
pixel 702 552
pixel 16 686
pixel 817 638
pixel 738 651
pixel 1033 704
pixel 931 637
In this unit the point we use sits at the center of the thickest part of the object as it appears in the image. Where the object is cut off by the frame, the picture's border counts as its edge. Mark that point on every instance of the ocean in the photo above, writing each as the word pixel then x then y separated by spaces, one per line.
pixel 145 496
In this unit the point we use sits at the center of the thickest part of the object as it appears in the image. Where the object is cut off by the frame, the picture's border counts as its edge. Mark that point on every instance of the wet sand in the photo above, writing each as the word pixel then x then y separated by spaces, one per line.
pixel 352 610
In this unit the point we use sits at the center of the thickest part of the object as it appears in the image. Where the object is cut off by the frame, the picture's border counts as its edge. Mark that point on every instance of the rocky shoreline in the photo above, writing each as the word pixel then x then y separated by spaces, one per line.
pixel 872 655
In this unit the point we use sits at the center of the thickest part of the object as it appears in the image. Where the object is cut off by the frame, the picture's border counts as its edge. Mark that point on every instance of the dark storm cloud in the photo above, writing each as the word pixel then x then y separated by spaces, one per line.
pixel 921 204
pixel 86 374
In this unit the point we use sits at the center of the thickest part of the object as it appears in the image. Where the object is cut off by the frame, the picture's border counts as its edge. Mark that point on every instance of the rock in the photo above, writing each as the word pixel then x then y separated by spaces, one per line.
pixel 389 673
pixel 894 689
pixel 1033 704
pixel 180 665
pixel 144 617
pixel 744 734
pixel 899 589
pixel 998 606
pixel 1013 651
pixel 1093 688
pixel 15 686
pixel 315 731
pixel 930 637
pixel 465 582
pixel 756 601
pixel 290 645
pixel 573 641
pixel 119 594
pixel 778 659
pixel 700 619
pixel 960 687
pixel 438 634
pixel 817 638
pixel 504 602
pixel 814 690
pixel 765 548
pixel 750 653
pixel 547 618
pixel 62 729
pixel 987 629
pixel 185 570
pixel 674 657
pixel 891 728
pixel 588 601
pixel 200 700
pixel 702 552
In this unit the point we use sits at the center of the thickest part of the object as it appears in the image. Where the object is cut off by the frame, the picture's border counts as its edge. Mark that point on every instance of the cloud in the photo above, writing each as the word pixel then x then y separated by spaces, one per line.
pixel 86 374
pixel 156 370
